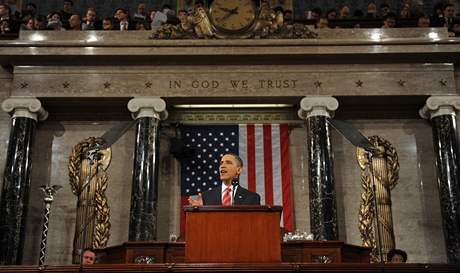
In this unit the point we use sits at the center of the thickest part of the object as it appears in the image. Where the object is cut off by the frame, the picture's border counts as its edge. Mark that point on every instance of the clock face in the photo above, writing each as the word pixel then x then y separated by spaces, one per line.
pixel 232 15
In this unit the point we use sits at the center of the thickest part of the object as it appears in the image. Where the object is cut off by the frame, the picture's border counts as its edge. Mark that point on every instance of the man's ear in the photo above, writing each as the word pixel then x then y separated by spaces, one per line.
pixel 239 170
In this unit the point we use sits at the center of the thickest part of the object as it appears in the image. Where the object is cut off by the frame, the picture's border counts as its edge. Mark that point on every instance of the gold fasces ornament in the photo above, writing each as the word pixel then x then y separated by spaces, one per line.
pixel 384 174
pixel 88 180
pixel 234 20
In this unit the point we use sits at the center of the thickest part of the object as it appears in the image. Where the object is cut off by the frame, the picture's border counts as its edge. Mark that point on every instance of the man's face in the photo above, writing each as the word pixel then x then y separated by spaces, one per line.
pixel 141 9
pixel 120 14
pixel 449 12
pixel 89 257
pixel 423 22
pixel 74 21
pixel 397 259
pixel 107 25
pixel 229 168
pixel 390 22
pixel 3 10
pixel 90 15
pixel 67 6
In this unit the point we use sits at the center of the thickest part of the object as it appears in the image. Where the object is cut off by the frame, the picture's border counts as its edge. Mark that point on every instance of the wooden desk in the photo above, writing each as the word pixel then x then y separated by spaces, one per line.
pixel 294 252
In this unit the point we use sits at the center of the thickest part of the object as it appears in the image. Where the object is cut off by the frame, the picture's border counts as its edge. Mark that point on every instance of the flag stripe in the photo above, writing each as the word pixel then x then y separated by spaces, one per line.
pixel 260 169
pixel 268 168
pixel 286 179
pixel 242 152
pixel 251 154
pixel 276 155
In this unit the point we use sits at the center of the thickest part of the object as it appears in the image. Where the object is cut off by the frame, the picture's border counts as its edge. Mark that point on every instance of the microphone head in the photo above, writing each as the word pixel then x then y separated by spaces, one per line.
pixel 235 182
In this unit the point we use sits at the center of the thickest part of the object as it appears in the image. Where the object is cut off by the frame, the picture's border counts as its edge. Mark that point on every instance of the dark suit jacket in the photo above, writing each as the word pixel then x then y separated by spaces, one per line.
pixel 242 197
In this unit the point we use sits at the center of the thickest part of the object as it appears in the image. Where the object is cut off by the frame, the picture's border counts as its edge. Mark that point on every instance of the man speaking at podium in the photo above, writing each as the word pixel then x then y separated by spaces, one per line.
pixel 230 192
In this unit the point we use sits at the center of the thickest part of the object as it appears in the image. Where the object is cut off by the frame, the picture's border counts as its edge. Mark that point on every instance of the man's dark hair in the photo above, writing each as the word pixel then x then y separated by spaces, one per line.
pixel 69 1
pixel 237 158
pixel 447 6
pixel 88 249
pixel 32 5
pixel 395 252
pixel 390 15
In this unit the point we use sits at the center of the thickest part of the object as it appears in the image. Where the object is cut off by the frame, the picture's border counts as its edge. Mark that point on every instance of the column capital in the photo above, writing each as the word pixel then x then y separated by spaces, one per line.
pixel 153 107
pixel 28 107
pixel 440 106
pixel 317 106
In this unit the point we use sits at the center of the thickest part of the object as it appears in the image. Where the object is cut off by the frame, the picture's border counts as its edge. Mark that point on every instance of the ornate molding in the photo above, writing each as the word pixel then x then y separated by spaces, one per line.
pixel 440 106
pixel 28 107
pixel 153 107
pixel 317 106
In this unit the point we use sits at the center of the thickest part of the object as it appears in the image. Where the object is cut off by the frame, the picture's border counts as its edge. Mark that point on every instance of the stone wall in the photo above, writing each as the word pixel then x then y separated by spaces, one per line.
pixel 5 90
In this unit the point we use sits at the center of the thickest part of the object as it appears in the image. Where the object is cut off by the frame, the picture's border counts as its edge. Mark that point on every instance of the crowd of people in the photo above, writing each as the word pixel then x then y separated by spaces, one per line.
pixel 145 18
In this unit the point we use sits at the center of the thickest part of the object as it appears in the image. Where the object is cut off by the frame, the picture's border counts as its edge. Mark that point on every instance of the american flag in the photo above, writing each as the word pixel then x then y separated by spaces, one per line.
pixel 264 149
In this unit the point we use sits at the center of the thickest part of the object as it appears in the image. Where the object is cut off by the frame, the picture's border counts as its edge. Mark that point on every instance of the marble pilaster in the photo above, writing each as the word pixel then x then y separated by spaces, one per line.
pixel 16 178
pixel 323 209
pixel 442 110
pixel 148 111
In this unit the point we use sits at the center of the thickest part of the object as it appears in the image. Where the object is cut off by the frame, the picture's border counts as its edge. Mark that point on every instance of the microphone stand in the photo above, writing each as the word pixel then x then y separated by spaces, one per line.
pixel 235 183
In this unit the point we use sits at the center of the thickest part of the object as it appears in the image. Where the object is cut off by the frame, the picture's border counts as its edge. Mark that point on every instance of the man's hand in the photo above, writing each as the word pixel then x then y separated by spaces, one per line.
pixel 196 202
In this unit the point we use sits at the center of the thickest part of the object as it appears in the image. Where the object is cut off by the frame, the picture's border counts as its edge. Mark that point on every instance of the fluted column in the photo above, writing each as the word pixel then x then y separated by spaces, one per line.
pixel 25 112
pixel 442 110
pixel 323 213
pixel 143 216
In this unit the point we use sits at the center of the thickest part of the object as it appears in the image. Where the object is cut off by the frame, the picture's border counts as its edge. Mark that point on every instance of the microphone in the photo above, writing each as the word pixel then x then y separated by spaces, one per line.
pixel 235 184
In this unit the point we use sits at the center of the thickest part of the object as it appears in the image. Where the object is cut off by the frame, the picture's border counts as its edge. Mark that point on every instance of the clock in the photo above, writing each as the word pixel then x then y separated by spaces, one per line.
pixel 232 16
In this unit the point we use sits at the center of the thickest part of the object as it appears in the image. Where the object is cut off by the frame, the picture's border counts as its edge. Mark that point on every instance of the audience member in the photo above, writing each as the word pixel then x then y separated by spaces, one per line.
pixel 344 12
pixel 29 24
pixel 75 22
pixel 141 14
pixel 423 21
pixel 443 16
pixel 371 10
pixel 54 21
pixel 30 10
pixel 123 22
pixel 384 10
pixel 89 256
pixel 331 14
pixel 107 24
pixel 389 21
pixel 90 22
pixel 396 256
pixel 405 11
pixel 66 12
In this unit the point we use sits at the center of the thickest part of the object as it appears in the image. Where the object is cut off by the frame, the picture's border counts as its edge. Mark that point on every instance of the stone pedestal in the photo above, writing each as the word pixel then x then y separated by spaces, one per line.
pixel 16 178
pixel 323 214
pixel 148 112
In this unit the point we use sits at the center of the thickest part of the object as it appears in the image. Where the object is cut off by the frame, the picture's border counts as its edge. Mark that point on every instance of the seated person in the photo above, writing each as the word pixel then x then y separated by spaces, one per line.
pixel 230 192
pixel 396 256
pixel 89 257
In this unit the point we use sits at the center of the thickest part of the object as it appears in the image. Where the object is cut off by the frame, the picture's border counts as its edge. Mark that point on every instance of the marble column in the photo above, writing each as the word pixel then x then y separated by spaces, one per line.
pixel 148 111
pixel 442 110
pixel 16 177
pixel 323 212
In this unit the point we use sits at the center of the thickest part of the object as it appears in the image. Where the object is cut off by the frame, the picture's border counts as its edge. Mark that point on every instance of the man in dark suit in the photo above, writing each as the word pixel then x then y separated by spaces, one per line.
pixel 229 192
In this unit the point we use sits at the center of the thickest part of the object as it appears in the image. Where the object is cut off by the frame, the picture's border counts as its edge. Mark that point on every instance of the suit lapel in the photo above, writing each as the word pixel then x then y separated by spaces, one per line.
pixel 240 196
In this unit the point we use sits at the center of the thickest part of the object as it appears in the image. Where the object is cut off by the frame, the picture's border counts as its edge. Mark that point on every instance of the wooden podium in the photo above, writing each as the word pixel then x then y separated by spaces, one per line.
pixel 236 234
